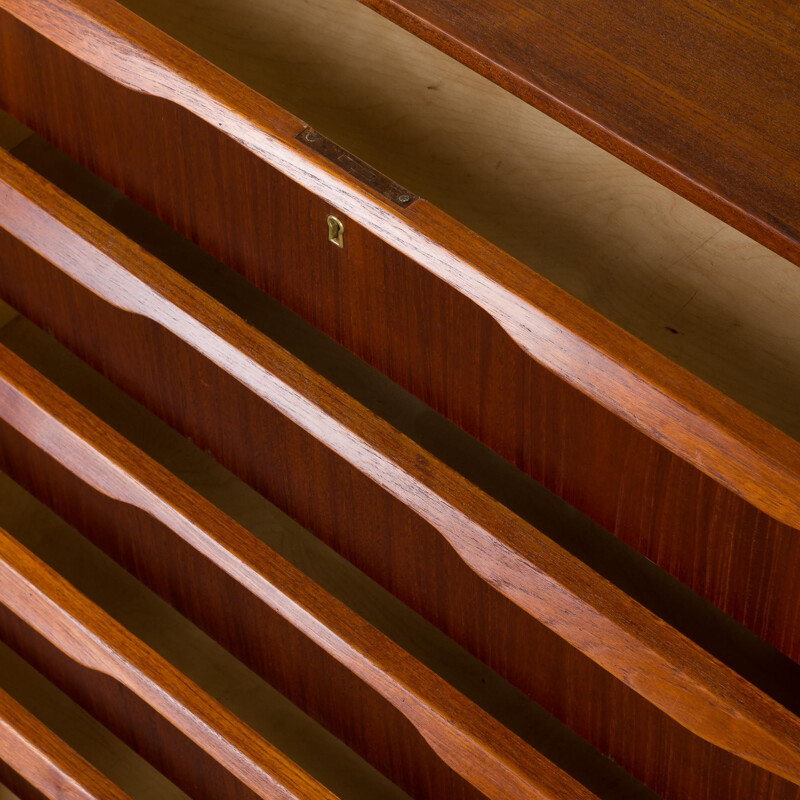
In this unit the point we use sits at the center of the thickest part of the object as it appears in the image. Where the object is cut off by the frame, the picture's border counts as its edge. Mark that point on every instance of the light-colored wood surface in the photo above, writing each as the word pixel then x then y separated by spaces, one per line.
pixel 142 612
pixel 91 391
pixel 692 287
pixel 633 573
pixel 738 722
pixel 577 533
pixel 737 328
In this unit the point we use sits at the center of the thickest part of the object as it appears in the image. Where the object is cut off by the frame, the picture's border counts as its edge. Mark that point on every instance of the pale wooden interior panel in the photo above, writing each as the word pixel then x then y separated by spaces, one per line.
pixel 694 288
pixel 718 303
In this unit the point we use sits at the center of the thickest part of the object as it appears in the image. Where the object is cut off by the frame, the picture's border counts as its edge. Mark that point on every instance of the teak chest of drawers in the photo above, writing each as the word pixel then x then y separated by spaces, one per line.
pixel 412 446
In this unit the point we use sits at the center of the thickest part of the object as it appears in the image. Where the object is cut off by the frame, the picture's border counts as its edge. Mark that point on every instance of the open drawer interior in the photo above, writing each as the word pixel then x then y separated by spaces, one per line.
pixel 690 286
pixel 62 715
pixel 183 645
pixel 454 538
pixel 641 446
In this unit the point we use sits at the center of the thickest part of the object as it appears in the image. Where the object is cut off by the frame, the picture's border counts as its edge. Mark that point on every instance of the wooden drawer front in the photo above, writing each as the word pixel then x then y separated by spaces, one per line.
pixel 570 639
pixel 393 710
pixel 690 479
pixel 166 718
pixel 37 764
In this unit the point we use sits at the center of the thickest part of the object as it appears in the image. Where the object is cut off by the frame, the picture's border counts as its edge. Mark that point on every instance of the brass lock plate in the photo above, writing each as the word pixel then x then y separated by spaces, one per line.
pixel 357 168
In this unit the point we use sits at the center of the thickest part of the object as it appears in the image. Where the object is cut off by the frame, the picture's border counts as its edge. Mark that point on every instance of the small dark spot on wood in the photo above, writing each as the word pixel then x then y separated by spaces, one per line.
pixel 671 330
pixel 434 87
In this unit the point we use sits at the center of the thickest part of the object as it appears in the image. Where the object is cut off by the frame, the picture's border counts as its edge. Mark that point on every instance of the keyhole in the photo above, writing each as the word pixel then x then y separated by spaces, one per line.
pixel 335 231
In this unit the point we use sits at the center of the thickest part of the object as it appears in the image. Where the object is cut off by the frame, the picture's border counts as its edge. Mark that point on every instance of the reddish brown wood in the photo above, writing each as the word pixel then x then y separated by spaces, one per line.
pixel 697 484
pixel 169 720
pixel 35 763
pixel 623 678
pixel 699 94
pixel 401 716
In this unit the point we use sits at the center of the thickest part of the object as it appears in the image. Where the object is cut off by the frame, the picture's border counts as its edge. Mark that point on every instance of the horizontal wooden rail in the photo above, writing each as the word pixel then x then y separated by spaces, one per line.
pixel 559 631
pixel 36 764
pixel 707 490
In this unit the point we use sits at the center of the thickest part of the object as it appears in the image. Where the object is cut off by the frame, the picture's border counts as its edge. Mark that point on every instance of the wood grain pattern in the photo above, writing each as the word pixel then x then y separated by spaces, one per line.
pixel 179 642
pixel 404 718
pixel 494 583
pixel 634 78
pixel 631 572
pixel 216 670
pixel 165 717
pixel 705 295
pixel 35 763
pixel 672 467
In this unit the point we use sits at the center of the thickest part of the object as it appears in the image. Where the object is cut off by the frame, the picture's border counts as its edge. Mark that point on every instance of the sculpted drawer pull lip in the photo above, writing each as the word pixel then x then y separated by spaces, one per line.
pixel 463 738
pixel 226 755
pixel 560 366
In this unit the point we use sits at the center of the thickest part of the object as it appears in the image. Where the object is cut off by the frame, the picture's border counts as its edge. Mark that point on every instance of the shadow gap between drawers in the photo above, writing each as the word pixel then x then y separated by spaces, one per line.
pixel 78 729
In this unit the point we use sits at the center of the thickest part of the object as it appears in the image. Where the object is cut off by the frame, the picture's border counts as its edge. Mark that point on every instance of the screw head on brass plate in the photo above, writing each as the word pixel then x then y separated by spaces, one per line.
pixel 335 231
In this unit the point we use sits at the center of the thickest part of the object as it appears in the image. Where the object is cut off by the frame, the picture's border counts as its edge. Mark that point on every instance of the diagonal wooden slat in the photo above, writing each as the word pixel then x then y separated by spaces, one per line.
pixel 639 445
pixel 165 717
pixel 562 633
pixel 36 764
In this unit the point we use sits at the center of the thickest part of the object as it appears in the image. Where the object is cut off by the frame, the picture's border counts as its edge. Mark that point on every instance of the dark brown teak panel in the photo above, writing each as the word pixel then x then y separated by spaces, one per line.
pixel 620 676
pixel 404 718
pixel 162 715
pixel 36 764
pixel 705 489
pixel 699 94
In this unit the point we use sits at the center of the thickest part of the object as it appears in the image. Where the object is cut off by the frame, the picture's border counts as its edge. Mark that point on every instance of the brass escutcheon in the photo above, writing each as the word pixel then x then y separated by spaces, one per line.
pixel 335 231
